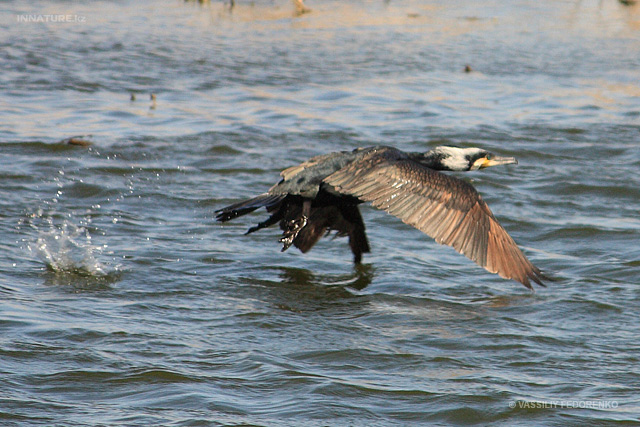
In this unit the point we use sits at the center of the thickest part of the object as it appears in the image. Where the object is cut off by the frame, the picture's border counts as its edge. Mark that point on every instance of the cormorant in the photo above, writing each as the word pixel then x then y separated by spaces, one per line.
pixel 323 193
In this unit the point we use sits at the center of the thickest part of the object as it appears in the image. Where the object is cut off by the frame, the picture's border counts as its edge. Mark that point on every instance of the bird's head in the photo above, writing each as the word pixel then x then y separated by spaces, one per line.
pixel 464 159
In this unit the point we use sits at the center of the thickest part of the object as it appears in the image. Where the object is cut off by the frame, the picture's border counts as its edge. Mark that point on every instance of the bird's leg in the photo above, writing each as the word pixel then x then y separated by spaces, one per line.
pixel 306 210
pixel 294 226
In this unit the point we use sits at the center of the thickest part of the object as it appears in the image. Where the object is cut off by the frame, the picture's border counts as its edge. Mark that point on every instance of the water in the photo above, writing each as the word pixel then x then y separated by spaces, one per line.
pixel 125 303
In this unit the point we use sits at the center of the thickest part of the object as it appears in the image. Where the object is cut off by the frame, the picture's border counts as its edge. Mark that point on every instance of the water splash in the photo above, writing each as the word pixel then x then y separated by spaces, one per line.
pixel 64 243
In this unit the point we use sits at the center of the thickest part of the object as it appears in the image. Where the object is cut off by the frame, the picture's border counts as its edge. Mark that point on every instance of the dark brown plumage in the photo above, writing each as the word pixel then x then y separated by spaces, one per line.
pixel 322 194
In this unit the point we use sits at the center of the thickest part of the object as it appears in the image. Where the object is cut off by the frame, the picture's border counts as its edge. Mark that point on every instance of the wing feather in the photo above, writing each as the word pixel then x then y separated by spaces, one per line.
pixel 444 207
pixel 289 173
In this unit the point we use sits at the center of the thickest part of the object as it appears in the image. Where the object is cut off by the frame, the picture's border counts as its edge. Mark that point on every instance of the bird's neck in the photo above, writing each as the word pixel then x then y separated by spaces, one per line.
pixel 431 159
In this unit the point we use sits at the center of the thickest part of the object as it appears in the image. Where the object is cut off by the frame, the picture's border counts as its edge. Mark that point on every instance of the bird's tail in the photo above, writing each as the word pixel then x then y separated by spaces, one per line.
pixel 242 208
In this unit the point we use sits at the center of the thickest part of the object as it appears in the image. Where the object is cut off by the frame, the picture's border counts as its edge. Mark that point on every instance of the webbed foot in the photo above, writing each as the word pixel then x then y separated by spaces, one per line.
pixel 290 234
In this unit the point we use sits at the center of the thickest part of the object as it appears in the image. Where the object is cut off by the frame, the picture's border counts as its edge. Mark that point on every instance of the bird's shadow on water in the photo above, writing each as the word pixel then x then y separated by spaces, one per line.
pixel 299 289
pixel 361 277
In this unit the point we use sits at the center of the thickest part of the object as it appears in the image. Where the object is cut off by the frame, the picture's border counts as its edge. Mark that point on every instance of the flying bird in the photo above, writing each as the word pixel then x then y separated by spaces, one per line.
pixel 322 195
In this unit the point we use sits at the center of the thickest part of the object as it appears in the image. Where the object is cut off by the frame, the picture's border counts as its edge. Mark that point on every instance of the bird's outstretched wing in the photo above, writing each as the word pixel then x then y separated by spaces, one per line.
pixel 444 207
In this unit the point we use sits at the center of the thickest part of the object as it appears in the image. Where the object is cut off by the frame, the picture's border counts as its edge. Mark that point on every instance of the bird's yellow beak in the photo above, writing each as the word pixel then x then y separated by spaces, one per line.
pixel 492 160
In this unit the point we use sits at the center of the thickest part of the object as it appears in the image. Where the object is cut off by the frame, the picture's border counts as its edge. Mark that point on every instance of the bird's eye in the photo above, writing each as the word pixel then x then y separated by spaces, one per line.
pixel 488 156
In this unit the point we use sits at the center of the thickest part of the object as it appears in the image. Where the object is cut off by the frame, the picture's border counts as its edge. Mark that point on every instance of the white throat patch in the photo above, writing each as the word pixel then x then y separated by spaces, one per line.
pixel 455 158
